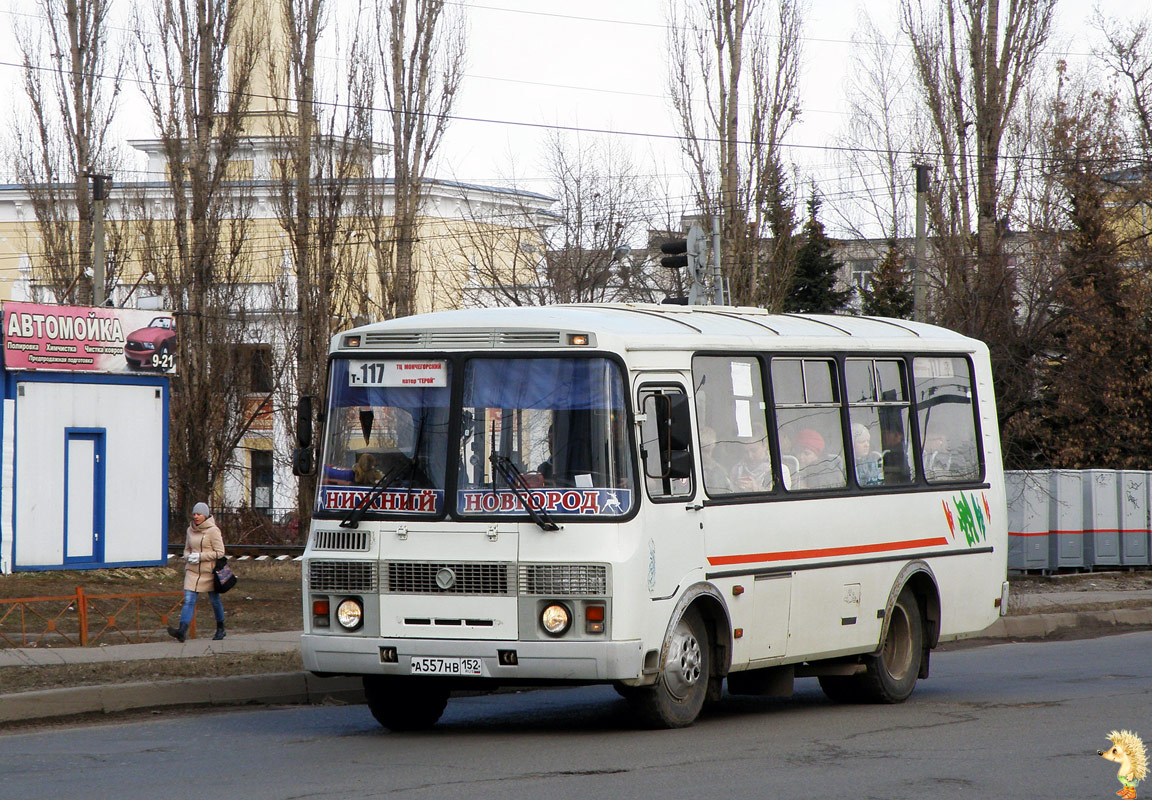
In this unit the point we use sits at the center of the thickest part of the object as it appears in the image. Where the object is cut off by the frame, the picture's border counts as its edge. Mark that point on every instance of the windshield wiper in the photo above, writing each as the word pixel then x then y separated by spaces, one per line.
pixel 352 520
pixel 515 480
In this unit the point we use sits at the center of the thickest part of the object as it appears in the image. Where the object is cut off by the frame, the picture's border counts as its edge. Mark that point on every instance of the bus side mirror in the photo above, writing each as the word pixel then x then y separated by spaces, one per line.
pixel 302 461
pixel 674 433
pixel 302 456
pixel 304 422
pixel 679 464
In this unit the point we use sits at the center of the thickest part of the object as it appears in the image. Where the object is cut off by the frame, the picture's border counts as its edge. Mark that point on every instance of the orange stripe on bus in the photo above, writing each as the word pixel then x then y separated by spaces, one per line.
pixel 824 552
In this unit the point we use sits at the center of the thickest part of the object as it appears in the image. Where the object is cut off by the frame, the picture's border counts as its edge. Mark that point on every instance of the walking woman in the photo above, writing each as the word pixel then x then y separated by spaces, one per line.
pixel 203 544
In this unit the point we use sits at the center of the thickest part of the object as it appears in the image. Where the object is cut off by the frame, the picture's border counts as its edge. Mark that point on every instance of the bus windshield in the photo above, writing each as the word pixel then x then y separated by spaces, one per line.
pixel 560 421
pixel 386 436
pixel 547 431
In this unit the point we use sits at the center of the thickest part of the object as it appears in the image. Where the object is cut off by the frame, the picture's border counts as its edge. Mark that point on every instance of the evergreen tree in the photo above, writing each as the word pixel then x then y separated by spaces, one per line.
pixel 1093 396
pixel 814 282
pixel 890 293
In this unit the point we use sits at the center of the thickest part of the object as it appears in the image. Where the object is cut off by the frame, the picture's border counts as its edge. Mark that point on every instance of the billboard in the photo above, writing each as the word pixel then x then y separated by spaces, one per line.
pixel 80 339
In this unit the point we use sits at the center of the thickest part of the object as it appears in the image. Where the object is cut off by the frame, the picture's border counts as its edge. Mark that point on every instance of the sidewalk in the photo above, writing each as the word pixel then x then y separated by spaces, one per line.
pixel 274 689
pixel 1034 615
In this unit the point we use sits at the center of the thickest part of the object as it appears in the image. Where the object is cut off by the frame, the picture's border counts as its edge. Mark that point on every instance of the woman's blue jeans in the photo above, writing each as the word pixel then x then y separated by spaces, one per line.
pixel 189 609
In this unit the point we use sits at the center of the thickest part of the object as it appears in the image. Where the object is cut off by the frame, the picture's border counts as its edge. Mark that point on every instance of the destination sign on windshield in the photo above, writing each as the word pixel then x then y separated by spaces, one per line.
pixel 419 373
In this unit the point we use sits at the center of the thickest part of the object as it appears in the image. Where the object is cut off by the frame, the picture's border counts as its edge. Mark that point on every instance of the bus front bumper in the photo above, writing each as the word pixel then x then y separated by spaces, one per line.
pixel 535 661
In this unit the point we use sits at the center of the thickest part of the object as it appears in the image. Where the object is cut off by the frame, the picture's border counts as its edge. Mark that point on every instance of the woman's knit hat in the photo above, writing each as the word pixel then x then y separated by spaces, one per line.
pixel 810 439
pixel 202 508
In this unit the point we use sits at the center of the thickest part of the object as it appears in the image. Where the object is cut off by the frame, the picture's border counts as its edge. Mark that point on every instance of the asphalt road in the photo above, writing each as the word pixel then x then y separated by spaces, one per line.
pixel 1006 720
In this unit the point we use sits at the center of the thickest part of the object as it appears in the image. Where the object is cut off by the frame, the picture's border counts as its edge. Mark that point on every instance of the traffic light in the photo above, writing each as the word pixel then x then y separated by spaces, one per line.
pixel 677 254
pixel 691 253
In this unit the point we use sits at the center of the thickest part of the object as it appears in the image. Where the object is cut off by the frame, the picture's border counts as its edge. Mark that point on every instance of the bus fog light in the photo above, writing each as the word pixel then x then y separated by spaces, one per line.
pixel 350 614
pixel 556 619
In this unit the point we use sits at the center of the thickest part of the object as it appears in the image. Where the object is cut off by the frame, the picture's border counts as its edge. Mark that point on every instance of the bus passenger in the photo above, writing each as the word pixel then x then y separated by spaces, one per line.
pixel 869 471
pixel 364 472
pixel 753 473
pixel 716 479
pixel 937 455
pixel 817 471
pixel 808 446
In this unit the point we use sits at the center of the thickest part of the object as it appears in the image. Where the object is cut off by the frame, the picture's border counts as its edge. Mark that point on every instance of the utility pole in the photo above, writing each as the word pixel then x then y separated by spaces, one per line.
pixel 100 186
pixel 717 276
pixel 919 293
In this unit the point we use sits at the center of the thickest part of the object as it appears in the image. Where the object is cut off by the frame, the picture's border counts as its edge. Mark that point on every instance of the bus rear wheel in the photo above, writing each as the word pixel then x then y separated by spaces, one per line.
pixel 890 675
pixel 676 698
pixel 405 704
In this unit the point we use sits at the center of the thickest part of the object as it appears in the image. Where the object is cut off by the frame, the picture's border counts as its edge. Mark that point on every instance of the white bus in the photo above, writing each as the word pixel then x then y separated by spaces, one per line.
pixel 657 497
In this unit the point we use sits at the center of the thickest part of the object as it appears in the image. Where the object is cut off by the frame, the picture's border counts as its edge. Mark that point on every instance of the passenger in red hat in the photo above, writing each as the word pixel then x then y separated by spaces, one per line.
pixel 808 447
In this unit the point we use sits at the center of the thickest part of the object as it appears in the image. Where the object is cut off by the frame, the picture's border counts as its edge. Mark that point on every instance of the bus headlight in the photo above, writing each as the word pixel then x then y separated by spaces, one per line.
pixel 350 614
pixel 556 619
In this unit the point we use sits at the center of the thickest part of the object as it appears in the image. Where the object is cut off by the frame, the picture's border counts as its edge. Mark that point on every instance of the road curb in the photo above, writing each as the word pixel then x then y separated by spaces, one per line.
pixel 1042 626
pixel 286 688
pixel 304 688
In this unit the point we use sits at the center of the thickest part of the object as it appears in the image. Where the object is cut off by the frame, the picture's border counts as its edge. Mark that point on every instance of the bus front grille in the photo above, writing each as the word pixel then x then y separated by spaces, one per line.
pixel 448 577
pixel 342 540
pixel 342 576
pixel 564 579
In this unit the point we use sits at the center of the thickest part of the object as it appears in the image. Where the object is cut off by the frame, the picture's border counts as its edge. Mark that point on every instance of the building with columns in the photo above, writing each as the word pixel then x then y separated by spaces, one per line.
pixel 451 214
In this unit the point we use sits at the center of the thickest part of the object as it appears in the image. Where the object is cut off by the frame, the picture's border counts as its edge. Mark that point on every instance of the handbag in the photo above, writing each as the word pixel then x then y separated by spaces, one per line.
pixel 223 578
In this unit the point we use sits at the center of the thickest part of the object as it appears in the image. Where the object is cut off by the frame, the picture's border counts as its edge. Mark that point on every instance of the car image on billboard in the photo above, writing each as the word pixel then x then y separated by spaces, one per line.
pixel 153 347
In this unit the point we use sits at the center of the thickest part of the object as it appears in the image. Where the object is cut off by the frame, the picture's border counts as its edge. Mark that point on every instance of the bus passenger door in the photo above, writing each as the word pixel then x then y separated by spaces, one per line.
pixel 743 526
pixel 672 537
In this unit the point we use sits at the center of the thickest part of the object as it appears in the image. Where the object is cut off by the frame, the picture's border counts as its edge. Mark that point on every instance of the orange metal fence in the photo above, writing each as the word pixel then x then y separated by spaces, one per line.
pixel 81 620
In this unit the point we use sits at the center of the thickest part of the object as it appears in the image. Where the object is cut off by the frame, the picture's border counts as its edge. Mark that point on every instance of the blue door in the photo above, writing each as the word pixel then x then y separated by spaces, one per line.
pixel 84 495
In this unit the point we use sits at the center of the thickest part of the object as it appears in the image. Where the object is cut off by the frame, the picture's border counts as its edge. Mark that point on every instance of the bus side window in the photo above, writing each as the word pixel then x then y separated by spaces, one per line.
pixel 806 396
pixel 945 411
pixel 879 410
pixel 735 453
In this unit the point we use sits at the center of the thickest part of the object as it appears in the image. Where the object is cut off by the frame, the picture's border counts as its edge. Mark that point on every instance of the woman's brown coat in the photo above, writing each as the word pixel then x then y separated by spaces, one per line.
pixel 206 540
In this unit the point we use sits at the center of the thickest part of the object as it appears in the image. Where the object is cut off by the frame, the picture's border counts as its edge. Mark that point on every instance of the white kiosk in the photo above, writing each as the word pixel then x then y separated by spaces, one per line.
pixel 84 445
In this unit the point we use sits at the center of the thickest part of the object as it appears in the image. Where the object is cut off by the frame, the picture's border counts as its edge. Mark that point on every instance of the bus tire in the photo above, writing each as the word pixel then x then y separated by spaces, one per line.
pixel 405 705
pixel 676 698
pixel 889 675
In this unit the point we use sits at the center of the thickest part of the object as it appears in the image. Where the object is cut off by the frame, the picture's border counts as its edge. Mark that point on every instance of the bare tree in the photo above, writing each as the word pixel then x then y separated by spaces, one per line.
pixel 734 81
pixel 1128 52
pixel 581 250
pixel 879 137
pixel 972 68
pixel 200 249
pixel 72 78
pixel 421 52
pixel 328 152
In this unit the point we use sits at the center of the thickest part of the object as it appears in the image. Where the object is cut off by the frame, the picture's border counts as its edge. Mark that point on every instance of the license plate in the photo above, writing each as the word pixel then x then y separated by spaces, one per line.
pixel 424 665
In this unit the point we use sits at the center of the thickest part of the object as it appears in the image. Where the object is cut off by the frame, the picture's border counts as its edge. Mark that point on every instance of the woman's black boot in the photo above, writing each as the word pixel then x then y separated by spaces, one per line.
pixel 219 631
pixel 179 634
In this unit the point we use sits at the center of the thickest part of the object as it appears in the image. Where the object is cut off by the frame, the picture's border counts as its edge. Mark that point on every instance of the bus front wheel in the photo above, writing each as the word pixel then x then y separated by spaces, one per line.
pixel 404 705
pixel 676 698
pixel 889 675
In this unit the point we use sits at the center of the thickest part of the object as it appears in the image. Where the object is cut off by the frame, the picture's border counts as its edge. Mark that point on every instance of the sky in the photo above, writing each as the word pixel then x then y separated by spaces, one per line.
pixel 599 66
